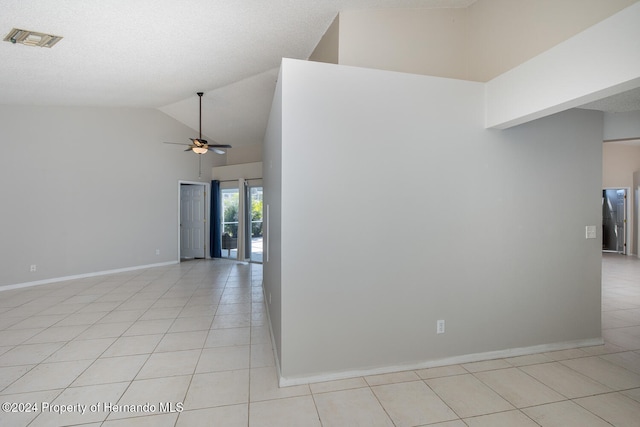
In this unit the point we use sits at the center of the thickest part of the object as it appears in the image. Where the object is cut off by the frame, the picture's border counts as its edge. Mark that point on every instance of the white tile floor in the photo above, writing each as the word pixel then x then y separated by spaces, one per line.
pixel 194 334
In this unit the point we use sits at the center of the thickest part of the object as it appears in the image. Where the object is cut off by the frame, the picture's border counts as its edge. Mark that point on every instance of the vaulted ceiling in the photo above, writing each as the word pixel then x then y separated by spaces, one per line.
pixel 159 53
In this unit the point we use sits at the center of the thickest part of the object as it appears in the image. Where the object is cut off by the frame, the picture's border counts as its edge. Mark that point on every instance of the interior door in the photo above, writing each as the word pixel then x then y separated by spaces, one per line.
pixel 192 221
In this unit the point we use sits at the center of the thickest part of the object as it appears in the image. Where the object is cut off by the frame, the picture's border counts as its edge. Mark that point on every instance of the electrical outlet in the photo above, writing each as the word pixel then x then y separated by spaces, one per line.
pixel 157 251
pixel 440 327
pixel 33 268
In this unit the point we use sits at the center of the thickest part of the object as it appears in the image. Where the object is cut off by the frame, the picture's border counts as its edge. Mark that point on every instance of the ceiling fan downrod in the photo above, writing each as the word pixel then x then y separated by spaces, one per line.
pixel 200 128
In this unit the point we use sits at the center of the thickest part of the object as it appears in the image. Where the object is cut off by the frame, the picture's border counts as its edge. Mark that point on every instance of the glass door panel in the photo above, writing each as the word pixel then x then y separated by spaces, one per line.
pixel 230 222
pixel 256 224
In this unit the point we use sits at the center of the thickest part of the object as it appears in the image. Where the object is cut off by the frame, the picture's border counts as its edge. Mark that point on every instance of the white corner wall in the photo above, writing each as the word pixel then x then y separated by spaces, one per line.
pixel 396 208
pixel 272 219
pixel 596 63
pixel 419 41
pixel 237 171
pixel 622 126
pixel 505 33
pixel 88 190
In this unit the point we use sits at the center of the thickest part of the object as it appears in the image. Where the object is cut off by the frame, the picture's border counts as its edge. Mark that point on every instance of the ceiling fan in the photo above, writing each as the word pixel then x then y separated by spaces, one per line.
pixel 199 145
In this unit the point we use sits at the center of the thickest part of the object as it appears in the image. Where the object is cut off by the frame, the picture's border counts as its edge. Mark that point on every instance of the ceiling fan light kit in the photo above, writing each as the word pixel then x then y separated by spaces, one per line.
pixel 199 150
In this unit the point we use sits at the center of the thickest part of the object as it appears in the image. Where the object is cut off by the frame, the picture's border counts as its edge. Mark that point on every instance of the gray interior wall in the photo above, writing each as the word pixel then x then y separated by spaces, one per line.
pixel 624 125
pixel 272 216
pixel 327 49
pixel 399 208
pixel 89 189
pixel 478 42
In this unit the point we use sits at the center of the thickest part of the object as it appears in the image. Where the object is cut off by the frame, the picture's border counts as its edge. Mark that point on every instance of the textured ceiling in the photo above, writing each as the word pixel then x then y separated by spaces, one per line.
pixel 621 103
pixel 159 53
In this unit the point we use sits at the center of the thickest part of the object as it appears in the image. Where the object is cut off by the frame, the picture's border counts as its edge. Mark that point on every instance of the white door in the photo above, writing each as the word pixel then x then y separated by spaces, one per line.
pixel 192 221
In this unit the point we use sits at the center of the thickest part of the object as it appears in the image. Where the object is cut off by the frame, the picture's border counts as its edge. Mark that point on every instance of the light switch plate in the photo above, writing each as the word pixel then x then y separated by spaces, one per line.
pixel 590 232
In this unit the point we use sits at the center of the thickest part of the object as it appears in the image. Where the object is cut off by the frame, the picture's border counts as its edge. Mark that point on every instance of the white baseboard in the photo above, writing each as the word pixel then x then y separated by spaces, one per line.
pixel 273 340
pixel 454 360
pixel 83 276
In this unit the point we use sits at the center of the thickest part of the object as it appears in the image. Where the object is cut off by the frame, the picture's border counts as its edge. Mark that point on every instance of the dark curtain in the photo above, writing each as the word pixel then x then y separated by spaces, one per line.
pixel 216 222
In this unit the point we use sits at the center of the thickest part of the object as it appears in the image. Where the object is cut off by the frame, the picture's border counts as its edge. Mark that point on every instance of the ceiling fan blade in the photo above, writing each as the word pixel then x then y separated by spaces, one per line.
pixel 176 143
pixel 199 145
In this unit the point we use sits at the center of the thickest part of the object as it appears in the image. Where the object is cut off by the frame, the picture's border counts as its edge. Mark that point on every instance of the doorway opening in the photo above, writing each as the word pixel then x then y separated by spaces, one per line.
pixel 230 222
pixel 256 228
pixel 614 220
pixel 241 223
pixel 192 223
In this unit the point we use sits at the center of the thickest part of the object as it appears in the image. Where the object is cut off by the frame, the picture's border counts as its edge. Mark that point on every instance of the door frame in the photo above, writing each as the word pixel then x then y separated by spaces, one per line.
pixel 207 215
pixel 244 227
pixel 627 213
pixel 227 188
pixel 250 225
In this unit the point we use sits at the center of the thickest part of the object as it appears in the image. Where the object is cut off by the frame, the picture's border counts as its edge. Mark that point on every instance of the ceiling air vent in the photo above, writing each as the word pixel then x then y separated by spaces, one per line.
pixel 31 38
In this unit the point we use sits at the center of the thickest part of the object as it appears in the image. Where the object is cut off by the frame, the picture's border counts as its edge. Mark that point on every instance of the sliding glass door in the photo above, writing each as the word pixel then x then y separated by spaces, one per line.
pixel 233 222
pixel 230 222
